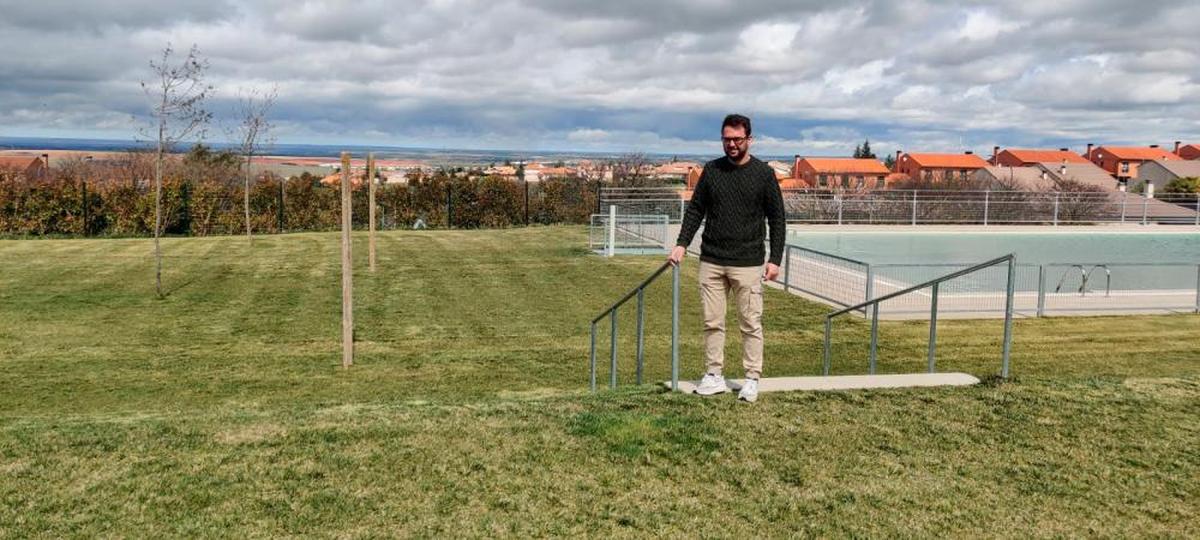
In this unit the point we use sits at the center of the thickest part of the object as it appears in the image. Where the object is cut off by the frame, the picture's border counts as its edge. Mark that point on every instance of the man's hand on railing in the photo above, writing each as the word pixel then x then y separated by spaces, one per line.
pixel 771 272
pixel 676 255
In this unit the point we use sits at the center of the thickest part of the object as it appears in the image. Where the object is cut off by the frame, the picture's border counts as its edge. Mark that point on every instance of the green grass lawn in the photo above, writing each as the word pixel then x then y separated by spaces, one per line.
pixel 222 409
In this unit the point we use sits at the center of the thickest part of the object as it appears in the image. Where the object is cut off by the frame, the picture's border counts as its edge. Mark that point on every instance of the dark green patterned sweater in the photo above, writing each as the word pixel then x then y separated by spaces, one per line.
pixel 736 202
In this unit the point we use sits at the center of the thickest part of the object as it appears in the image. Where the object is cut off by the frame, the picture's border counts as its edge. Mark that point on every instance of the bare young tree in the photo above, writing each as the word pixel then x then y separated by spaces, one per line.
pixel 253 135
pixel 177 92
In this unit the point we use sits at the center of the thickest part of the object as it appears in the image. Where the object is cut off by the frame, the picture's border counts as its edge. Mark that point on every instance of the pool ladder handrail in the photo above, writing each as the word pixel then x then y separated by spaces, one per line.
pixel 1084 275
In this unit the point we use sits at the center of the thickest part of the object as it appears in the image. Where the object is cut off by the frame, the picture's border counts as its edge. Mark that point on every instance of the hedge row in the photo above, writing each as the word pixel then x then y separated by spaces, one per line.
pixel 68 206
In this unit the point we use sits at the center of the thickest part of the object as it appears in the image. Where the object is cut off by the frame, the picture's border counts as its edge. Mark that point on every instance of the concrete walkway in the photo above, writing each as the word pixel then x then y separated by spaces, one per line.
pixel 844 382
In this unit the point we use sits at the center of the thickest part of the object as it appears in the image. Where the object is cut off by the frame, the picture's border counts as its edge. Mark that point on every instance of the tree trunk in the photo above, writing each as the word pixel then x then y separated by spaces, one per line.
pixel 249 236
pixel 158 165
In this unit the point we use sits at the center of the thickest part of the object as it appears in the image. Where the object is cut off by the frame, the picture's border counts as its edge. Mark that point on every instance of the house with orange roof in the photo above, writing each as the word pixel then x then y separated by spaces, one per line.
pixel 27 166
pixel 693 178
pixel 938 166
pixel 1014 157
pixel 335 178
pixel 840 173
pixel 1188 151
pixel 548 172
pixel 674 170
pixel 783 171
pixel 1122 161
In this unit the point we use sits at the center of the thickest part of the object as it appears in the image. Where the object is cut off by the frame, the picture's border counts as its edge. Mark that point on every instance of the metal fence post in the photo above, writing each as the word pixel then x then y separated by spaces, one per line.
pixel 675 328
pixel 1124 197
pixel 1198 288
pixel 1056 194
pixel 787 267
pixel 914 208
pixel 987 195
pixel 1008 313
pixel 839 203
pixel 933 305
pixel 612 231
pixel 1197 209
pixel 641 325
pixel 828 329
pixel 682 208
pixel 612 375
pixel 1041 297
pixel 592 364
pixel 874 341
pixel 1145 208
pixel 870 290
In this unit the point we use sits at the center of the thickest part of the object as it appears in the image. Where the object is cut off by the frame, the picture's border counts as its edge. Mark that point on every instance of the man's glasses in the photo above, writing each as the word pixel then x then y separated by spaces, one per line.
pixel 734 140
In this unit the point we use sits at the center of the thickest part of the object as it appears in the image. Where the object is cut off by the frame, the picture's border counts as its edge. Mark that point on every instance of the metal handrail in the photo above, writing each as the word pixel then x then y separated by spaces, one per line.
pixel 1011 259
pixel 611 312
pixel 869 275
pixel 1107 279
pixel 1085 275
pixel 1082 278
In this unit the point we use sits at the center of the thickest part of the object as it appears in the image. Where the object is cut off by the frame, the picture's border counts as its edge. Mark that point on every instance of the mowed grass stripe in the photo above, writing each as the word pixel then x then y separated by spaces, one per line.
pixel 221 410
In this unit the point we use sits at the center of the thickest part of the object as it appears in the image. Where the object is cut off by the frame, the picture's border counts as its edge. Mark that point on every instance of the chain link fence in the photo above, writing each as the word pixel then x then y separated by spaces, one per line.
pixel 926 207
pixel 1061 288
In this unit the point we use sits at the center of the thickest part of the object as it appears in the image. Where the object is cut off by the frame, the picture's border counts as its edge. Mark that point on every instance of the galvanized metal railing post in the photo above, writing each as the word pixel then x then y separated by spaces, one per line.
pixel 839 202
pixel 1197 208
pixel 828 330
pixel 1124 197
pixel 1008 314
pixel 612 375
pixel 641 325
pixel 1145 208
pixel 1056 194
pixel 592 369
pixel 1041 297
pixel 874 341
pixel 933 308
pixel 675 328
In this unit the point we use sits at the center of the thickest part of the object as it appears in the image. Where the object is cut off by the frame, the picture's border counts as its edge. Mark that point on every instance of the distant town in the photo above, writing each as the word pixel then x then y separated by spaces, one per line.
pixel 1098 167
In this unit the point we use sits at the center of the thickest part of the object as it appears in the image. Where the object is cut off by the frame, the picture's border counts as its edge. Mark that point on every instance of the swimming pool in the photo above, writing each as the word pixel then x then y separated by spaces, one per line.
pixel 1065 270
pixel 1041 247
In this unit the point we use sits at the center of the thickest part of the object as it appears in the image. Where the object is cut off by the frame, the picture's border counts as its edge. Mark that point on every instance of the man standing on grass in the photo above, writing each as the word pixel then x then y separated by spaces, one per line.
pixel 734 196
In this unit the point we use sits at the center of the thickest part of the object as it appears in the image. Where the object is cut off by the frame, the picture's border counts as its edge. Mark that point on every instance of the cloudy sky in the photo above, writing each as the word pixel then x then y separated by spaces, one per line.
pixel 627 75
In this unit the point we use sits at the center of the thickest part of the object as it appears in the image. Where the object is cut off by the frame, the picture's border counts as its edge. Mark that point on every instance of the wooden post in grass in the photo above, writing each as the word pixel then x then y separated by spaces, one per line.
pixel 347 269
pixel 371 209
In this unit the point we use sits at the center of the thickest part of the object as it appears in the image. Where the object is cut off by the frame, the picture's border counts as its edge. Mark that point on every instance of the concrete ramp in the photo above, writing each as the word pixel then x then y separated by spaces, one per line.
pixel 844 382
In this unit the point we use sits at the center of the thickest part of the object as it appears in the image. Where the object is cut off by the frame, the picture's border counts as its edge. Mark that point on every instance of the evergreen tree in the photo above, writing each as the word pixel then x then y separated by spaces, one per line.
pixel 865 151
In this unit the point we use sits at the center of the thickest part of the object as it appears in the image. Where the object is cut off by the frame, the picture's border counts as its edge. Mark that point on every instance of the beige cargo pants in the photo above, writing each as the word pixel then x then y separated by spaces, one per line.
pixel 746 283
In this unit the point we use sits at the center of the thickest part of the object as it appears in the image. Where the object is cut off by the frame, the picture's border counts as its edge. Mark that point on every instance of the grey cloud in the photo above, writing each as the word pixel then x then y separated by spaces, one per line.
pixel 649 72
pixel 55 15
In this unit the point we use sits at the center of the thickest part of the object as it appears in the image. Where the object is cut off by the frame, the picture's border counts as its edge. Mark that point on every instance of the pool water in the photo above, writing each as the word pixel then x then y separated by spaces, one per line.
pixel 1133 260
pixel 918 247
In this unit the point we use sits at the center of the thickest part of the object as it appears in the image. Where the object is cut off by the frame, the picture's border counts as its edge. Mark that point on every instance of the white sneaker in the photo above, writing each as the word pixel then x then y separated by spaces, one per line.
pixel 711 385
pixel 749 391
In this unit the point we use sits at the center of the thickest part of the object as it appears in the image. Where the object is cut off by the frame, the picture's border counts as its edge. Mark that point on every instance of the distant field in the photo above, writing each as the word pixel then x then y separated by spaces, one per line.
pixel 221 410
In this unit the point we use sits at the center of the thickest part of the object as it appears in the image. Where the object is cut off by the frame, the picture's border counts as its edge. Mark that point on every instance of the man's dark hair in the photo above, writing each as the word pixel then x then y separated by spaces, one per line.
pixel 737 121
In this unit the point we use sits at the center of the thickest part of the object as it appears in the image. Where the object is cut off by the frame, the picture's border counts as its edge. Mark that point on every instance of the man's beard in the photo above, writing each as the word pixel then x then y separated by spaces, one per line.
pixel 734 154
